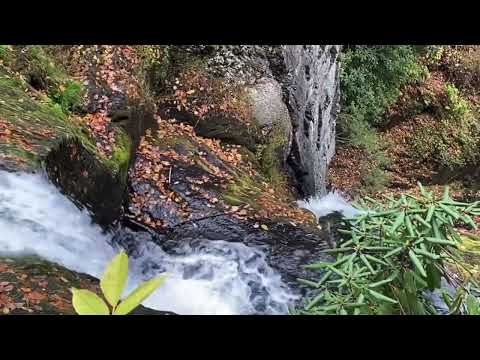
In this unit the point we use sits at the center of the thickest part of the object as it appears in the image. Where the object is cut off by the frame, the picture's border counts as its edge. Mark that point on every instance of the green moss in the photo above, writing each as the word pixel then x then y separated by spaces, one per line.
pixel 242 192
pixel 156 65
pixel 69 97
pixel 270 155
pixel 121 154
pixel 39 70
pixel 39 124
pixel 40 61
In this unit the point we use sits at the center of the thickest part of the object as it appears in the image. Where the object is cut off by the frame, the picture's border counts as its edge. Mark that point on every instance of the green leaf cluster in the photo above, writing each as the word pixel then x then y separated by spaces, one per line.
pixel 112 284
pixel 391 255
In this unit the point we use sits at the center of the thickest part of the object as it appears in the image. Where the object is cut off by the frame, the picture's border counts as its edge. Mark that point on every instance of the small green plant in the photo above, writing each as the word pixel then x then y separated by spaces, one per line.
pixel 431 53
pixel 68 96
pixel 157 64
pixel 112 284
pixel 391 255
pixel 457 104
pixel 375 180
pixel 463 302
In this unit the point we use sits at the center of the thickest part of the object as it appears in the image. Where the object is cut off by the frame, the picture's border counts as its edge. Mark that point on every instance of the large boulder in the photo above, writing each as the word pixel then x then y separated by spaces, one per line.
pixel 271 114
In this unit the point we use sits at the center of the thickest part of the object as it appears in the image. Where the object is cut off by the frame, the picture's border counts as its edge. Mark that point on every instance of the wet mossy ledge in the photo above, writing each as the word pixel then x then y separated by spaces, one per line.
pixel 32 124
pixel 43 125
pixel 96 182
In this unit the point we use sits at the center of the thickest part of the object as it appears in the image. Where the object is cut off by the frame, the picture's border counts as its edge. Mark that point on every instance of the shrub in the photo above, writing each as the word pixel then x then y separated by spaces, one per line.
pixel 68 96
pixel 432 53
pixel 452 142
pixel 375 180
pixel 390 256
pixel 112 284
pixel 371 79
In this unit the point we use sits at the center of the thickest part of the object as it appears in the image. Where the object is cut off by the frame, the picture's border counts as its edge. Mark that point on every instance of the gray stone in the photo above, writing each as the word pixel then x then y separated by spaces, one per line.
pixel 313 99
pixel 269 110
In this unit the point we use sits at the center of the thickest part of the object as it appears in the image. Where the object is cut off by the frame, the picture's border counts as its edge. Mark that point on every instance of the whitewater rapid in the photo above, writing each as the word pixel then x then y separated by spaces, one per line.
pixel 330 203
pixel 216 277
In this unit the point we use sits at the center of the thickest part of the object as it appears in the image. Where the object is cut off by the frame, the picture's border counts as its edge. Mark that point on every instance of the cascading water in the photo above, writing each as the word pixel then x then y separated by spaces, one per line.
pixel 215 277
pixel 324 205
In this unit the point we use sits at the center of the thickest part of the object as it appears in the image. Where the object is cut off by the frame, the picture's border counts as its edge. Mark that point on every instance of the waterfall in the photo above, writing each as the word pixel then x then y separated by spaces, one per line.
pixel 215 277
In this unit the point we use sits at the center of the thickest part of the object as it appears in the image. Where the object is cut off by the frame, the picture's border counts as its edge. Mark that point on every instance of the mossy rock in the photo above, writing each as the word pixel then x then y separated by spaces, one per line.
pixel 99 186
pixel 32 127
pixel 272 154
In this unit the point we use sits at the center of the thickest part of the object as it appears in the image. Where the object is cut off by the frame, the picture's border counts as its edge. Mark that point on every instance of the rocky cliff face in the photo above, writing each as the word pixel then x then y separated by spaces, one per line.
pixel 304 78
pixel 313 95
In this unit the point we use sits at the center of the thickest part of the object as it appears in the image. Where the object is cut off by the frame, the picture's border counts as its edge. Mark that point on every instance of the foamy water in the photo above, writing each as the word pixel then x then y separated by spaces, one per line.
pixel 215 277
pixel 330 203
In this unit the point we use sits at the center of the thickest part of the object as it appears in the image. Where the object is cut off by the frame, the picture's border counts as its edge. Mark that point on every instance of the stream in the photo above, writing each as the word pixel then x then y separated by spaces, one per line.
pixel 214 277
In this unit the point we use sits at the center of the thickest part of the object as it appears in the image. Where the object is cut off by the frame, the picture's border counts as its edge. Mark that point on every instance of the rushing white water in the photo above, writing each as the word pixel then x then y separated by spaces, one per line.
pixel 332 202
pixel 215 277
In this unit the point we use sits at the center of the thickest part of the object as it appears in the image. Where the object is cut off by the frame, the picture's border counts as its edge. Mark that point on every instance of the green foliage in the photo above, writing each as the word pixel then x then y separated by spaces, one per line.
pixel 453 141
pixel 390 256
pixel 112 284
pixel 44 74
pixel 114 279
pixel 432 53
pixel 157 64
pixel 359 134
pixel 86 302
pixel 270 155
pixel 38 68
pixel 5 51
pixel 375 180
pixel 371 79
pixel 458 106
pixel 69 96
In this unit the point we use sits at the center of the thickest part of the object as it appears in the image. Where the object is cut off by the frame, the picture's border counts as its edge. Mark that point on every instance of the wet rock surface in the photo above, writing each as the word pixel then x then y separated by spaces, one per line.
pixel 313 97
pixel 217 125
pixel 287 247
pixel 243 64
